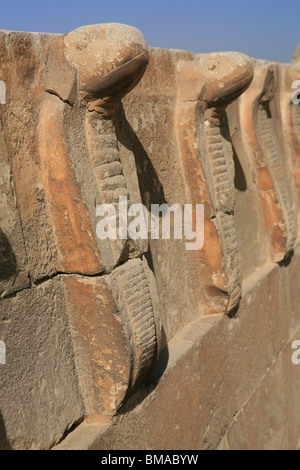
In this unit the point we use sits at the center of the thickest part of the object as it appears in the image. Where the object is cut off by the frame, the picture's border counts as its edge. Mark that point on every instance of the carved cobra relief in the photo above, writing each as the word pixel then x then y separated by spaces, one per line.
pixel 100 65
pixel 133 296
pixel 278 172
pixel 220 182
pixel 259 131
pixel 206 87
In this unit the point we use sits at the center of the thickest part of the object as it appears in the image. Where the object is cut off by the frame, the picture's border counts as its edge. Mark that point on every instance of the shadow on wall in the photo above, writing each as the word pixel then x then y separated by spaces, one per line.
pixel 240 182
pixel 4 444
pixel 8 264
pixel 147 177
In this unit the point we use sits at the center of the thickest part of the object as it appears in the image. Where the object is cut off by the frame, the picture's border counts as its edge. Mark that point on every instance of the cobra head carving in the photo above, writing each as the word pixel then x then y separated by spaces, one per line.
pixel 90 70
pixel 227 74
pixel 104 62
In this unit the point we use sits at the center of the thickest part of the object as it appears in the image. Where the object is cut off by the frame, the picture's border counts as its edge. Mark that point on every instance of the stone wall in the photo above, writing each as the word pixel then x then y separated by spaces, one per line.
pixel 142 344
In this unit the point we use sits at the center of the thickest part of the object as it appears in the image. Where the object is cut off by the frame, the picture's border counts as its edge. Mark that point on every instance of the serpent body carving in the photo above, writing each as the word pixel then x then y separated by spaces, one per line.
pixel 101 64
pixel 296 118
pixel 279 176
pixel 227 76
pixel 220 183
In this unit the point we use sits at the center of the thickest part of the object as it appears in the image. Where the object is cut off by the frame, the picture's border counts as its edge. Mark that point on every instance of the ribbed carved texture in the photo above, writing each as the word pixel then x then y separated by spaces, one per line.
pixel 220 181
pixel 278 173
pixel 131 289
pixel 105 158
pixel 130 284
pixel 227 230
pixel 221 188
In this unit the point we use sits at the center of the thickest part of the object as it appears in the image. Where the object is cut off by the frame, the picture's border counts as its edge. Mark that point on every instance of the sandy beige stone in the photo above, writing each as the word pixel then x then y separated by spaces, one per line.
pixel 125 344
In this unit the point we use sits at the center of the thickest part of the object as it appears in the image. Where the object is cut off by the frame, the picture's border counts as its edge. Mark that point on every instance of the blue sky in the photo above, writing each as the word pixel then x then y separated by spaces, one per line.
pixel 260 28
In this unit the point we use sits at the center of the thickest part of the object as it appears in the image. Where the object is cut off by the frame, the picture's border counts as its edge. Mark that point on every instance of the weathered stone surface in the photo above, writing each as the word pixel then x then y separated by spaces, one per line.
pixel 13 259
pixel 150 115
pixel 230 383
pixel 98 85
pixel 126 337
pixel 211 84
pixel 180 167
pixel 105 62
pixel 290 112
pixel 102 352
pixel 255 119
pixel 40 397
pixel 270 418
pixel 19 118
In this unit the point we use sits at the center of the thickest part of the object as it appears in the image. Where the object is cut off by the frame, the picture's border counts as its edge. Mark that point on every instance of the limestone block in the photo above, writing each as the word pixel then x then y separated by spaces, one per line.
pixel 104 62
pixel 270 419
pixel 72 166
pixel 114 335
pixel 150 123
pixel 101 347
pixel 40 397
